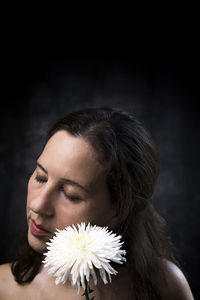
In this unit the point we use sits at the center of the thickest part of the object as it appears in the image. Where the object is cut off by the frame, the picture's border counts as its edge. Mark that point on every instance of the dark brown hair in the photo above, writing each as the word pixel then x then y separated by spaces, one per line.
pixel 126 149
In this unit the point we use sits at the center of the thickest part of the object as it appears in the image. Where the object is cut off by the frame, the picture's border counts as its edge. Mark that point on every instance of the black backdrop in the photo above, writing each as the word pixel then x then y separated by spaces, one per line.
pixel 160 92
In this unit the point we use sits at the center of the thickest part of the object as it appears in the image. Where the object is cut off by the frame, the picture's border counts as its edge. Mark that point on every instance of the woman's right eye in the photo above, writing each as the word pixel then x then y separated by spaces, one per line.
pixel 40 179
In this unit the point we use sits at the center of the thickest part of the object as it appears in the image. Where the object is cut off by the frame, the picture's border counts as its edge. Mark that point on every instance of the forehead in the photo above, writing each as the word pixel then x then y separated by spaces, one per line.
pixel 68 156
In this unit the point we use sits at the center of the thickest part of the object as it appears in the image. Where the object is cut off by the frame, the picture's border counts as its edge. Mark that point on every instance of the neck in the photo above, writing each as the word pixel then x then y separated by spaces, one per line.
pixel 118 284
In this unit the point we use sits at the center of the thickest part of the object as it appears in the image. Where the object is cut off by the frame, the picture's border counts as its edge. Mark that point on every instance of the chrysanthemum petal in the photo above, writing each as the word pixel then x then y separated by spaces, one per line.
pixel 76 251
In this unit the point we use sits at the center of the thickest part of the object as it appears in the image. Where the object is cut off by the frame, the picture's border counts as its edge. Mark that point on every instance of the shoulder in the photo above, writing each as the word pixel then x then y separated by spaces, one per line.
pixel 177 285
pixel 5 274
pixel 7 282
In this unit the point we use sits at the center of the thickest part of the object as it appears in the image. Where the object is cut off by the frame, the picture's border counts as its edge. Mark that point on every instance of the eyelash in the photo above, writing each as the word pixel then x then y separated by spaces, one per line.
pixel 71 198
pixel 40 179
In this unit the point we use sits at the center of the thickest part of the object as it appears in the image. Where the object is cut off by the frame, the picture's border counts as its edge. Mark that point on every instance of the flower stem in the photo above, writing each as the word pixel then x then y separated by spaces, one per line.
pixel 87 291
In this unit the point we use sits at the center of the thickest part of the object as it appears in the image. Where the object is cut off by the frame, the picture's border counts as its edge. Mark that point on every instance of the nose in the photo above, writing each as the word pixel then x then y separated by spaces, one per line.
pixel 44 202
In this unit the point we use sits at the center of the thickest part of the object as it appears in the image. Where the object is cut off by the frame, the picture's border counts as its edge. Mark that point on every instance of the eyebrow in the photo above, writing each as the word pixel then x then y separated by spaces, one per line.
pixel 66 180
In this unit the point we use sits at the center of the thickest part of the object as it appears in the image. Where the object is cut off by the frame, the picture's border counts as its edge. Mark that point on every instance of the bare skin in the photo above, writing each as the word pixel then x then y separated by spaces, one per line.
pixel 66 159
pixel 67 187
pixel 43 287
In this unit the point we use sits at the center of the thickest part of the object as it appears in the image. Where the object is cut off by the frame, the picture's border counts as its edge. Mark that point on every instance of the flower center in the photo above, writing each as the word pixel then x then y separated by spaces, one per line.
pixel 80 243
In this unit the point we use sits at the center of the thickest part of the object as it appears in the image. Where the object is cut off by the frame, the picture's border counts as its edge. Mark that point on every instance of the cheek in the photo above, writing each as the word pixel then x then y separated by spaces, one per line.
pixel 73 214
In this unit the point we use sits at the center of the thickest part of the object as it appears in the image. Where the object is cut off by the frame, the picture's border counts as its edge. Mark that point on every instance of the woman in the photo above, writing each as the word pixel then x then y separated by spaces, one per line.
pixel 98 166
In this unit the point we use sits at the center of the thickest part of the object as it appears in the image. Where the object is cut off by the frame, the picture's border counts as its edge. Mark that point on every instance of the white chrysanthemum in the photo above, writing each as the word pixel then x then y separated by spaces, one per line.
pixel 75 253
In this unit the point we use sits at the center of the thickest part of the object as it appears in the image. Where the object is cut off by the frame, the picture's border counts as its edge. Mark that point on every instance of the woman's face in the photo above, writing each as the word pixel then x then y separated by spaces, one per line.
pixel 67 187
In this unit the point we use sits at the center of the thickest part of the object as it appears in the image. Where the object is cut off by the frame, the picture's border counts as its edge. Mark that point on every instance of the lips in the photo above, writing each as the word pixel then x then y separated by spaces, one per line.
pixel 38 230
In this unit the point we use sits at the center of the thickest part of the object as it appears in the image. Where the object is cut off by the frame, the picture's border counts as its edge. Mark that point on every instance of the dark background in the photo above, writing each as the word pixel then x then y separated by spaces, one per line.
pixel 160 91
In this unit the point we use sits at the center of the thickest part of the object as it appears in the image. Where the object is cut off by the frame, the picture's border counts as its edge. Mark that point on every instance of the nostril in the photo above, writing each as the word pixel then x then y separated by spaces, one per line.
pixel 48 212
pixel 42 206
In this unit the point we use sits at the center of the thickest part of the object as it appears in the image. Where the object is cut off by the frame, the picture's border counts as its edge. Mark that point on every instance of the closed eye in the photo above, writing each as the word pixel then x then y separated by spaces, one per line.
pixel 70 197
pixel 40 179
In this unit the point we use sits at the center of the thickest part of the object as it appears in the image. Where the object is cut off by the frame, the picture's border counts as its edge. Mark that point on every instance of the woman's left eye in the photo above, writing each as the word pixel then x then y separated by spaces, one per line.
pixel 40 179
pixel 70 197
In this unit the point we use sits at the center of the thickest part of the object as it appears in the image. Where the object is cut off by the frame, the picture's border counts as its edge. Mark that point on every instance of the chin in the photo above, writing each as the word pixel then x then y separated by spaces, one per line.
pixel 37 244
